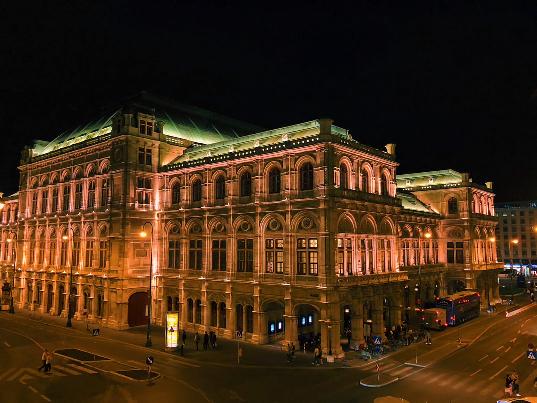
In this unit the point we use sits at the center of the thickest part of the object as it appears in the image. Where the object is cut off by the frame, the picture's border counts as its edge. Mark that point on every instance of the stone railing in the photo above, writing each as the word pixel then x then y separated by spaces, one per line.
pixel 373 279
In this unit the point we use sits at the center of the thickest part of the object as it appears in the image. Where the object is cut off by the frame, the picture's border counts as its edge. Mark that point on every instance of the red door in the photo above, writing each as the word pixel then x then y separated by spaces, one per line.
pixel 137 309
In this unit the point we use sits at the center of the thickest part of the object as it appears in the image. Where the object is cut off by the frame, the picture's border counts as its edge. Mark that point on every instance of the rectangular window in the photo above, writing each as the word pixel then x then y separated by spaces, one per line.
pixel 274 256
pixel 89 254
pixel 173 253
pixel 143 191
pixel 307 256
pixel 34 203
pixel 344 256
pixel 219 255
pixel 145 156
pixel 149 131
pixel 75 255
pixel 194 254
pixel 245 255
pixel 40 252
pixel 54 206
pixel 104 192
pixel 142 126
pixel 455 252
pixel 381 251
pixel 44 201
pixel 78 196
pixel 103 254
pixel 63 254
pixel 91 194
pixel 66 197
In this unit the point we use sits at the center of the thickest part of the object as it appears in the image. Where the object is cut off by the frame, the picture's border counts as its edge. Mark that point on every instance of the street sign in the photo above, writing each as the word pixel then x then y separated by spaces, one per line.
pixel 377 340
pixel 532 355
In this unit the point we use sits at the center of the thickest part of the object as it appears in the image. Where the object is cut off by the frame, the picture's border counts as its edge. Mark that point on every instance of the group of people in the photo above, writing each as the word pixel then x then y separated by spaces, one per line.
pixel 511 384
pixel 46 361
pixel 209 339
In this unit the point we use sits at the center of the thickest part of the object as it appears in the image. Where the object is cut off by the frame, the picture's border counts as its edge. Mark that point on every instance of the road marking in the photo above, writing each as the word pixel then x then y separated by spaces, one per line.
pixel 66 370
pixel 80 368
pixel 499 348
pixel 16 374
pixel 507 349
pixel 7 372
pixel 518 357
pixel 33 389
pixel 498 373
pixel 482 358
pixel 401 371
pixel 475 372
pixel 46 398
pixel 494 360
pixel 518 331
pixel 7 344
pixel 513 340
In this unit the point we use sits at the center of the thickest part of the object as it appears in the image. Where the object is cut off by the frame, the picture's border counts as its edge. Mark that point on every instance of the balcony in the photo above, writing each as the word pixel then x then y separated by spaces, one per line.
pixel 363 196
pixel 373 279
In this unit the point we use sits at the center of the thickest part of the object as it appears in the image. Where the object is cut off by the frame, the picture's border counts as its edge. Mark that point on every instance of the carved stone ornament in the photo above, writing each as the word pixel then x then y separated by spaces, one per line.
pixel 307 223
pixel 245 226
pixel 274 225
pixel 456 233
pixel 196 229
pixel 219 227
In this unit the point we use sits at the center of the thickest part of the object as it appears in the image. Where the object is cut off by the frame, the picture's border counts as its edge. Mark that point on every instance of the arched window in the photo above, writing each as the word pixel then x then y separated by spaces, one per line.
pixel 274 181
pixel 91 194
pixel 52 249
pixel 384 185
pixel 306 176
pixel 246 184
pixel 343 177
pixel 174 243
pixel 104 192
pixel 453 206
pixel 196 190
pixel 365 180
pixel 176 193
pixel 220 188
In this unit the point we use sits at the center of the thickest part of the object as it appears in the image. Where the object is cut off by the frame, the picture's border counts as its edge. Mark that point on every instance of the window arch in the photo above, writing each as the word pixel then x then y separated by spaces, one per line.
pixel 453 205
pixel 176 193
pixel 245 184
pixel 306 176
pixel 343 176
pixel 196 190
pixel 220 188
pixel 384 185
pixel 365 180
pixel 274 181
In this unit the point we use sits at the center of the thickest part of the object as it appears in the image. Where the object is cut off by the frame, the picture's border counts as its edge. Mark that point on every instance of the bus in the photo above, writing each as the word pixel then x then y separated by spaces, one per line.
pixel 434 318
pixel 460 307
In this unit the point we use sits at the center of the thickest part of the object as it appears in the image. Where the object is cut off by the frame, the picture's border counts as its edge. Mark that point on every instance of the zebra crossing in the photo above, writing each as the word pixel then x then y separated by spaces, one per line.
pixel 24 374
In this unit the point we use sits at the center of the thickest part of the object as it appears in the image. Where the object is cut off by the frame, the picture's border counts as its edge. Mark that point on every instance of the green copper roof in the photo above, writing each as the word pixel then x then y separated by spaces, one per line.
pixel 411 202
pixel 182 121
pixel 429 178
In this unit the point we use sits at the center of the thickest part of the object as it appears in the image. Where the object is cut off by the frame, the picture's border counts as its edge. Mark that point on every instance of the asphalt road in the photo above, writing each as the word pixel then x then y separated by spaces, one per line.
pixel 471 371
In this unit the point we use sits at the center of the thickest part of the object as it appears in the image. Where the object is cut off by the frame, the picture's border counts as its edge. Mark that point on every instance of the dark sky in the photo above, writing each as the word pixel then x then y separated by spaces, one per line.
pixel 454 84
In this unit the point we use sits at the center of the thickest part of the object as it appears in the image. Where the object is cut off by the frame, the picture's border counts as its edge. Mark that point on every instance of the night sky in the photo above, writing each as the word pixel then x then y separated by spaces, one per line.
pixel 454 84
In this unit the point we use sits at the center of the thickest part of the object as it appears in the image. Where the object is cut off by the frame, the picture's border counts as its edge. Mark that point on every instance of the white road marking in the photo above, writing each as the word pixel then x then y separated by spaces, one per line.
pixel 7 344
pixel 83 369
pixel 497 373
pixel 7 372
pixel 499 348
pixel 401 371
pixel 14 376
pixel 518 357
pixel 33 389
pixel 46 398
pixel 513 340
pixel 475 372
pixel 482 358
pixel 507 349
pixel 494 360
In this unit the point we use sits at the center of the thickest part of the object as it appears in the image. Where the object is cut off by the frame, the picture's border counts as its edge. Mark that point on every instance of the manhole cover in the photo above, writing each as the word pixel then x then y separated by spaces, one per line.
pixel 80 355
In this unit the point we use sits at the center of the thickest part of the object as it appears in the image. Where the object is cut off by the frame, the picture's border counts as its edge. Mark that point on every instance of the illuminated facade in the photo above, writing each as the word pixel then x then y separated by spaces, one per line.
pixel 294 230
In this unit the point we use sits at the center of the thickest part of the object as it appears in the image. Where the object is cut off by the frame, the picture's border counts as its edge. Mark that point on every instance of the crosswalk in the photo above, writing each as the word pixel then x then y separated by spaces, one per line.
pixel 24 374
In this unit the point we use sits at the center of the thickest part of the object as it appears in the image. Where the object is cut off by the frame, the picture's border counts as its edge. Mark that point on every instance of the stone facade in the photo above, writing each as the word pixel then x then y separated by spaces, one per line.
pixel 294 230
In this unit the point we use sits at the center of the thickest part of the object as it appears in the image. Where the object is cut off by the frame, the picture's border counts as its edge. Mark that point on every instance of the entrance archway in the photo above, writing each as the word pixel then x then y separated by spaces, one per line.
pixel 137 309
pixel 368 319
pixel 61 297
pixel 274 312
pixel 387 313
pixel 309 331
pixel 50 296
pixel 456 285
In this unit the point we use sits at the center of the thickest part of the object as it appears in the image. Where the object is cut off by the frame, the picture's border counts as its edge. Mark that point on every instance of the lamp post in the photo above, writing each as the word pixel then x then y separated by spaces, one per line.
pixel 427 236
pixel 69 304
pixel 491 240
pixel 143 234
pixel 14 258
pixel 329 338
pixel 514 242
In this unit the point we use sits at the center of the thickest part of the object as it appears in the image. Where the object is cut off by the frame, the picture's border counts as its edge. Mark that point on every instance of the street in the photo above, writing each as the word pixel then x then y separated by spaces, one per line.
pixel 111 367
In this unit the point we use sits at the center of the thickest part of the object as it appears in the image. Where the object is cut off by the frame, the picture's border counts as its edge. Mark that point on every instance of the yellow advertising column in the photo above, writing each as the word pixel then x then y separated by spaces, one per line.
pixel 172 327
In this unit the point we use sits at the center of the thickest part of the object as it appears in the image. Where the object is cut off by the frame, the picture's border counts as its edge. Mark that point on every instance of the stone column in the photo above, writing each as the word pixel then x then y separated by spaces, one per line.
pixel 231 316
pixel 244 319
pixel 357 322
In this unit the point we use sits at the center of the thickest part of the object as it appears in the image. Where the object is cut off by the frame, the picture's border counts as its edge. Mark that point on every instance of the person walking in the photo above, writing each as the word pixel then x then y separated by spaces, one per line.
pixel 288 352
pixel 43 360
pixel 205 341
pixel 292 351
pixel 197 340
pixel 428 340
pixel 316 353
pixel 183 337
pixel 48 362
pixel 213 340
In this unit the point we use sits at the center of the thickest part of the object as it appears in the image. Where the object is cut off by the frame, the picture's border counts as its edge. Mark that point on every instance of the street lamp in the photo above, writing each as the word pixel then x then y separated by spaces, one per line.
pixel 491 240
pixel 427 235
pixel 143 234
pixel 69 302
pixel 14 258
pixel 514 242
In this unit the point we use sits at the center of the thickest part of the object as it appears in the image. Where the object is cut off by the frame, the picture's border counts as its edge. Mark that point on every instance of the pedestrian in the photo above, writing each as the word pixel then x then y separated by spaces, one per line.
pixel 428 337
pixel 43 360
pixel 288 352
pixel 213 340
pixel 515 385
pixel 184 337
pixel 149 362
pixel 532 296
pixel 292 351
pixel 205 341
pixel 197 340
pixel 48 362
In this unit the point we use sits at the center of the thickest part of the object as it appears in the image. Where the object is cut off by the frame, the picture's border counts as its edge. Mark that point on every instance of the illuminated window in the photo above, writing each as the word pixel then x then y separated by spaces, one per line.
pixel 75 253
pixel 245 255
pixel 34 202
pixel 274 256
pixel 274 181
pixel 344 256
pixel 52 249
pixel 307 256
pixel 89 253
pixel 306 176
pixel 245 184
pixel 174 253
pixel 143 191
pixel 103 253
pixel 219 255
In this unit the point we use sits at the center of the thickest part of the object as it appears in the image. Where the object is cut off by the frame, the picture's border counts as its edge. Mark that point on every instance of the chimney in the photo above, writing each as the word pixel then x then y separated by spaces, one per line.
pixel 325 126
pixel 390 149
pixel 488 185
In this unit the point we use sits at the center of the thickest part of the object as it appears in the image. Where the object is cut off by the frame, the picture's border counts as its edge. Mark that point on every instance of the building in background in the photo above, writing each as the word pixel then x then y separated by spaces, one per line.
pixel 517 235
pixel 279 234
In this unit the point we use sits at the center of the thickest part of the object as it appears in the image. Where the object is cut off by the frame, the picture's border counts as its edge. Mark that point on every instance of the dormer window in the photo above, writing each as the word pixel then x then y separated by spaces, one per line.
pixel 146 127
pixel 142 126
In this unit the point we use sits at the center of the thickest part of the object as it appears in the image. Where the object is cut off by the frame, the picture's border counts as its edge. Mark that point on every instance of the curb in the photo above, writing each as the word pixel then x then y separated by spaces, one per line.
pixel 365 382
